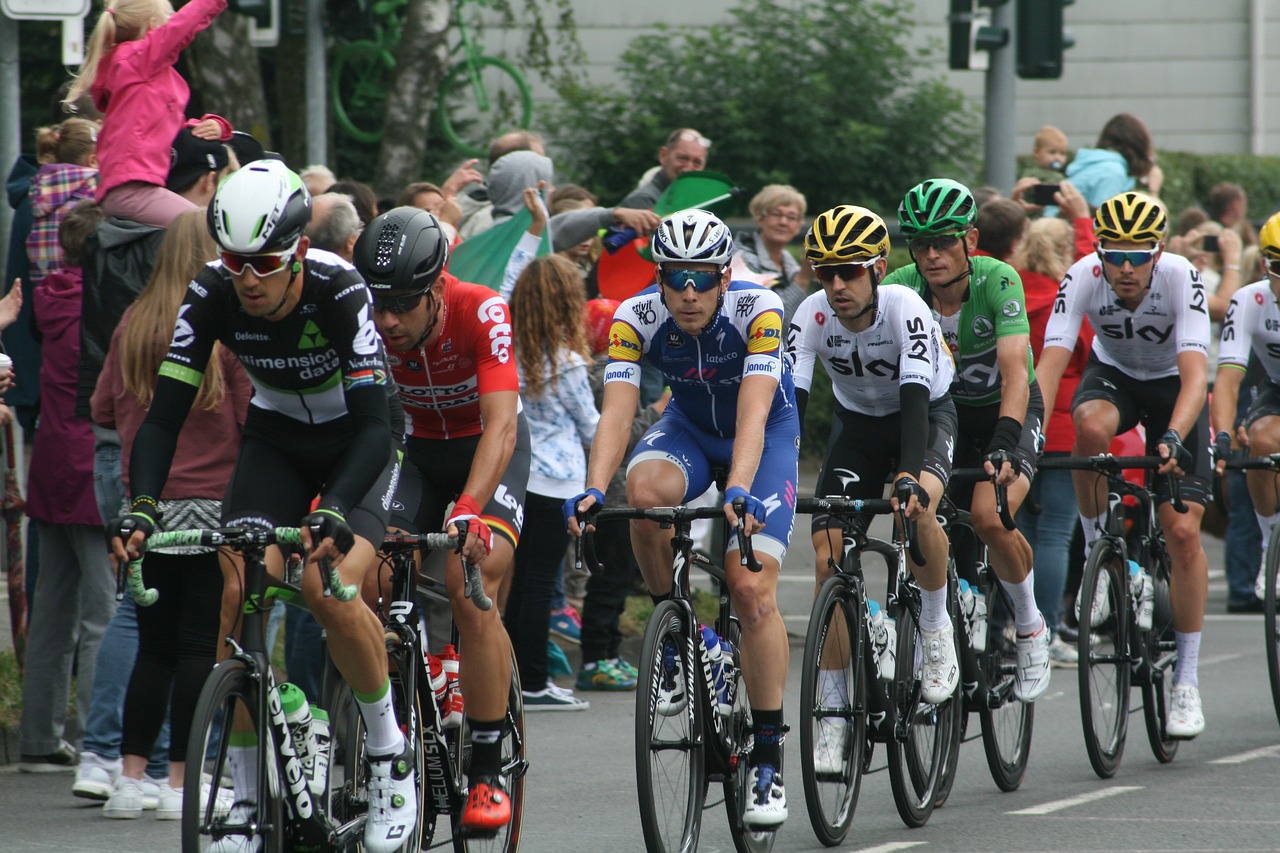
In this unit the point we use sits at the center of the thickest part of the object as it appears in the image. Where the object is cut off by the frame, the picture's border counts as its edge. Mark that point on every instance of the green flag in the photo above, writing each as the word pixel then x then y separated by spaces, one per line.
pixel 482 259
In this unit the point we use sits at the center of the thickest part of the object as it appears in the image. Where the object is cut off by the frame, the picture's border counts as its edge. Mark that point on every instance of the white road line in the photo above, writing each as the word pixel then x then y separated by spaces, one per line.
pixel 1242 757
pixel 1059 805
pixel 1214 660
pixel 888 848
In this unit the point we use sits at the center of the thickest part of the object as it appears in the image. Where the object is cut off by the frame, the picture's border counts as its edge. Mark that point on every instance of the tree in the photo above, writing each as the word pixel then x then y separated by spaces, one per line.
pixel 821 94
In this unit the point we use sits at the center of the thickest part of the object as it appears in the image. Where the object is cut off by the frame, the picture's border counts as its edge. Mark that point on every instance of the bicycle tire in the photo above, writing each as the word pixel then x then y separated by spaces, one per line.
pixel 1162 656
pixel 916 763
pixel 514 764
pixel 658 736
pixel 737 740
pixel 1104 668
pixel 1271 617
pixel 959 718
pixel 348 793
pixel 1006 728
pixel 406 698
pixel 360 77
pixel 458 101
pixel 835 636
pixel 228 687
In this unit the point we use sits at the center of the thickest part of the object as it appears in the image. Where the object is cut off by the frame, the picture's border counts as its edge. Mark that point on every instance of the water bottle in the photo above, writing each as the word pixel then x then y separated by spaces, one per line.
pixel 439 684
pixel 320 766
pixel 711 641
pixel 1144 595
pixel 964 593
pixel 617 237
pixel 298 713
pixel 451 710
pixel 881 641
pixel 729 676
pixel 978 626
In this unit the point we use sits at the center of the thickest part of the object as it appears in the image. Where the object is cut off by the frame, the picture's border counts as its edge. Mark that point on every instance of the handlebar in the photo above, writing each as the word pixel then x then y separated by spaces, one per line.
pixel 980 475
pixel 838 506
pixel 472 580
pixel 1106 464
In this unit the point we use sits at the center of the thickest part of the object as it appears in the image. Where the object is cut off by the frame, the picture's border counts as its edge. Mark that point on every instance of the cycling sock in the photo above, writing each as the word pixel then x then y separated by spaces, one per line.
pixel 933 609
pixel 1265 523
pixel 766 726
pixel 1026 616
pixel 486 747
pixel 382 735
pixel 243 755
pixel 1184 672
pixel 1089 526
pixel 833 687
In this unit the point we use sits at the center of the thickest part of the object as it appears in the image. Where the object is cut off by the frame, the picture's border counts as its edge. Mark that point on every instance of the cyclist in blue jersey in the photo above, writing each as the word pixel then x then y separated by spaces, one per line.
pixel 718 344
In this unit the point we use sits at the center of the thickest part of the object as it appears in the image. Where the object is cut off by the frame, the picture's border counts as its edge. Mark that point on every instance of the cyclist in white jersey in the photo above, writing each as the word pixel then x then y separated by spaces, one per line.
pixel 1252 326
pixel 1149 364
pixel 891 375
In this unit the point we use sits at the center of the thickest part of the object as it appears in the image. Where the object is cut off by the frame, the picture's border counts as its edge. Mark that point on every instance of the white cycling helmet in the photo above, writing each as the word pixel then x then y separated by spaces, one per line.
pixel 692 236
pixel 261 208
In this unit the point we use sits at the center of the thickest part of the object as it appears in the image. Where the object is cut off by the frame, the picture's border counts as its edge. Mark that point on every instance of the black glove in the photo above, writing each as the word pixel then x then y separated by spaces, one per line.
pixel 1177 452
pixel 905 487
pixel 1221 446
pixel 328 523
pixel 127 524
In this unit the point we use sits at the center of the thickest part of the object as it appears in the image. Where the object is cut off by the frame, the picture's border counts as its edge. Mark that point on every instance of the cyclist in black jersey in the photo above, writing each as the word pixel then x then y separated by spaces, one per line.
pixel 301 324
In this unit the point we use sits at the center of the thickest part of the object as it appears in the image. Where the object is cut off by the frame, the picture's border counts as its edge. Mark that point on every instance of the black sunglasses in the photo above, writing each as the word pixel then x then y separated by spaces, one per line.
pixel 398 304
pixel 941 242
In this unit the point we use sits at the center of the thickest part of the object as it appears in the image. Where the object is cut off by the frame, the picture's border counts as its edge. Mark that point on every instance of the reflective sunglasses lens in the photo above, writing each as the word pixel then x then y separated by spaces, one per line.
pixel 397 304
pixel 1138 259
pixel 702 280
pixel 941 242
pixel 847 272
pixel 262 265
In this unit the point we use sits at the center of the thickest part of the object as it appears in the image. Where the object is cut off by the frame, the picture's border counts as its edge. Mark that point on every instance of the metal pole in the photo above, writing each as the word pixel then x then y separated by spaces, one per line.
pixel 10 122
pixel 317 106
pixel 1001 164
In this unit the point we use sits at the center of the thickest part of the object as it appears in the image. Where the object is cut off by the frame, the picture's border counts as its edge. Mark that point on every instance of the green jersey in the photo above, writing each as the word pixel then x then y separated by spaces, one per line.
pixel 993 308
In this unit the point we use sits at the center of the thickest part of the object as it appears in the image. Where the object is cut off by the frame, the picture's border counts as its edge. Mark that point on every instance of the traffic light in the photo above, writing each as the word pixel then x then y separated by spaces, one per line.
pixel 971 35
pixel 258 10
pixel 1041 38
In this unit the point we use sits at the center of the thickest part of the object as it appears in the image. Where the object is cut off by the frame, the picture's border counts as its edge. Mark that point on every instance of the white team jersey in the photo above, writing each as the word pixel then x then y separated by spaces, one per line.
pixel 902 345
pixel 1252 323
pixel 1144 343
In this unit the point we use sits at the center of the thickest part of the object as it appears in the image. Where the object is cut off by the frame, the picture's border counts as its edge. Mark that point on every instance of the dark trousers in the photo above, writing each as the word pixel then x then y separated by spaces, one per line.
pixel 607 590
pixel 543 541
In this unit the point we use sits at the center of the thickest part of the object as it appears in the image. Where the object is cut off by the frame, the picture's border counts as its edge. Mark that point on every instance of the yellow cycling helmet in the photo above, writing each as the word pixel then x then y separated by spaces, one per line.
pixel 1269 238
pixel 846 233
pixel 1132 218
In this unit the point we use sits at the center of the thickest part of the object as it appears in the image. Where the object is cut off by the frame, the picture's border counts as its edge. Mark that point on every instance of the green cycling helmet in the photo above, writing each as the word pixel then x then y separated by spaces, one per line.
pixel 936 206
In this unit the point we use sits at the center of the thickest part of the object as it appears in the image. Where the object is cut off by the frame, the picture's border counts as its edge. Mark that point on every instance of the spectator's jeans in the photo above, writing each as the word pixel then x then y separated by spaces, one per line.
pixel 1243 541
pixel 304 652
pixel 1049 535
pixel 528 615
pixel 607 590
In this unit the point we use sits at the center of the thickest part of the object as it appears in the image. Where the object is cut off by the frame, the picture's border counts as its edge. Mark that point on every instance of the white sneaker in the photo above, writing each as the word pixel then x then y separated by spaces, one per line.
pixel 829 751
pixel 150 793
pixel 1260 585
pixel 169 803
pixel 125 802
pixel 1101 601
pixel 95 776
pixel 1063 654
pixel 241 813
pixel 671 698
pixel 766 806
pixel 393 803
pixel 1031 678
pixel 939 671
pixel 1186 719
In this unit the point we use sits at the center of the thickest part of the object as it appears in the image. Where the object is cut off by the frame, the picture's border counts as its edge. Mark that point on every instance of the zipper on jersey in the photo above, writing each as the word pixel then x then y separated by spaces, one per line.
pixel 426 368
pixel 697 342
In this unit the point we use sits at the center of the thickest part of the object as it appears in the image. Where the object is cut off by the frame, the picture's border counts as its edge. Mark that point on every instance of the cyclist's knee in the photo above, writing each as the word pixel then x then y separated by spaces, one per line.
pixel 1182 535
pixel 1093 436
pixel 1264 442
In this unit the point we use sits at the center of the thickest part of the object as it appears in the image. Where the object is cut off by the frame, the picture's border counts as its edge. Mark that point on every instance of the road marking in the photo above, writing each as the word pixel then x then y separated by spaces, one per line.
pixel 1059 805
pixel 1214 660
pixel 888 848
pixel 1242 757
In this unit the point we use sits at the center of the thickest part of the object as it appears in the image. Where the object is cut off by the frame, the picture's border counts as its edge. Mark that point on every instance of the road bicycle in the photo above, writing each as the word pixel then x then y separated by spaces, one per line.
pixel 839 653
pixel 479 96
pixel 1116 648
pixel 681 752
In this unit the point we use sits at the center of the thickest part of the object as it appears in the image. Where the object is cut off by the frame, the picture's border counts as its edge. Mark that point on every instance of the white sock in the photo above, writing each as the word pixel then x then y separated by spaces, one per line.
pixel 244 771
pixel 382 734
pixel 1026 616
pixel 933 609
pixel 833 687
pixel 1265 523
pixel 1089 526
pixel 1184 671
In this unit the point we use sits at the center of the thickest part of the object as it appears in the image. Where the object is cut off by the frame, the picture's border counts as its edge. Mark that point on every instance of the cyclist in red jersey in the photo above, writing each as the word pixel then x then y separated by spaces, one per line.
pixel 466 443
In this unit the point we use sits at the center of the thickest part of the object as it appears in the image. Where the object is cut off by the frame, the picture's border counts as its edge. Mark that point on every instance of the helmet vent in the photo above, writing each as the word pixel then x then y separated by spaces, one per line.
pixel 388 239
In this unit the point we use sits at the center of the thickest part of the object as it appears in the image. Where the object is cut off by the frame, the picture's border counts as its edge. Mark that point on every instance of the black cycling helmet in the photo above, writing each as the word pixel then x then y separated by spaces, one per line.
pixel 402 252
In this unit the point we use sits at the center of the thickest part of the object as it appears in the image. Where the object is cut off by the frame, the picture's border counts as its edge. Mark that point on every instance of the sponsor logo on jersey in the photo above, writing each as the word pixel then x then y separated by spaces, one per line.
pixel 347 291
pixel 1012 308
pixel 393 360
pixel 492 310
pixel 195 286
pixel 820 318
pixel 834 341
pixel 619 373
pixel 252 336
pixel 765 333
pixel 760 367
pixel 746 304
pixel 312 338
pixel 366 341
pixel 624 342
pixel 1257 297
pixel 447 346
pixel 183 334
pixel 644 312
pixel 983 327
pixel 675 340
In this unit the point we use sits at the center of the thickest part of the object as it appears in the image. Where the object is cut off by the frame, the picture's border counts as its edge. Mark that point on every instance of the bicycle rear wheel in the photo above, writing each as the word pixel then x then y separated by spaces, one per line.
pixel 670 747
pixel 1162 656
pixel 1104 670
pixel 473 110
pixel 960 714
pixel 211 814
pixel 917 762
pixel 833 711
pixel 361 76
pixel 1006 728
pixel 1271 616
pixel 514 764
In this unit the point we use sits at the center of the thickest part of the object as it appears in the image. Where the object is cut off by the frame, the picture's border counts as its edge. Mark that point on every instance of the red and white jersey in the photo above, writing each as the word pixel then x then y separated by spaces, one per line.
pixel 441 385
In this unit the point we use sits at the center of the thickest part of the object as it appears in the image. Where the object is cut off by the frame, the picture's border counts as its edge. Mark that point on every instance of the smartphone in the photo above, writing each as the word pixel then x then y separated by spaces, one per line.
pixel 1042 194
pixel 1210 243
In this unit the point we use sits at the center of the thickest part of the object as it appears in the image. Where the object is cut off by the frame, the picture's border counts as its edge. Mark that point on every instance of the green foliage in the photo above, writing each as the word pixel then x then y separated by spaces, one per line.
pixel 10 690
pixel 825 96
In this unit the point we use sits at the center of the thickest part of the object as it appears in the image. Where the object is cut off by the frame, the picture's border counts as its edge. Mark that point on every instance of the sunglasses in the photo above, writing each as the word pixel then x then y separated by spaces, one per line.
pixel 262 265
pixel 679 280
pixel 1273 267
pixel 1137 258
pixel 398 304
pixel 846 272
pixel 941 242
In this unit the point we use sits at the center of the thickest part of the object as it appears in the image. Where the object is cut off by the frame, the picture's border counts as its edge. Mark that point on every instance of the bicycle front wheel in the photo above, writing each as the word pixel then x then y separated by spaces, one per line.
pixel 1104 669
pixel 833 711
pixel 670 756
pixel 480 101
pixel 216 813
pixel 1271 616
pixel 361 76
pixel 1006 728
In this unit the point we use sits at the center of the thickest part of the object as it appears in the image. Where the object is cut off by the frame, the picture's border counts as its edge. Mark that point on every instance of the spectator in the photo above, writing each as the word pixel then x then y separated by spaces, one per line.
pixel 1001 224
pixel 1228 205
pixel 684 151
pixel 318 179
pixel 335 224
pixel 178 640
pixel 431 198
pixel 984 194
pixel 1122 160
pixel 68 174
pixel 1188 219
pixel 128 68
pixel 76 587
pixel 467 186
pixel 1049 154
pixel 362 195
pixel 778 211
pixel 552 356
pixel 573 197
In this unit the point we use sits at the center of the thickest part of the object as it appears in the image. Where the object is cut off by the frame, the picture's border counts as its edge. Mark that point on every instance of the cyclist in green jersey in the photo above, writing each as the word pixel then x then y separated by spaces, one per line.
pixel 978 302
